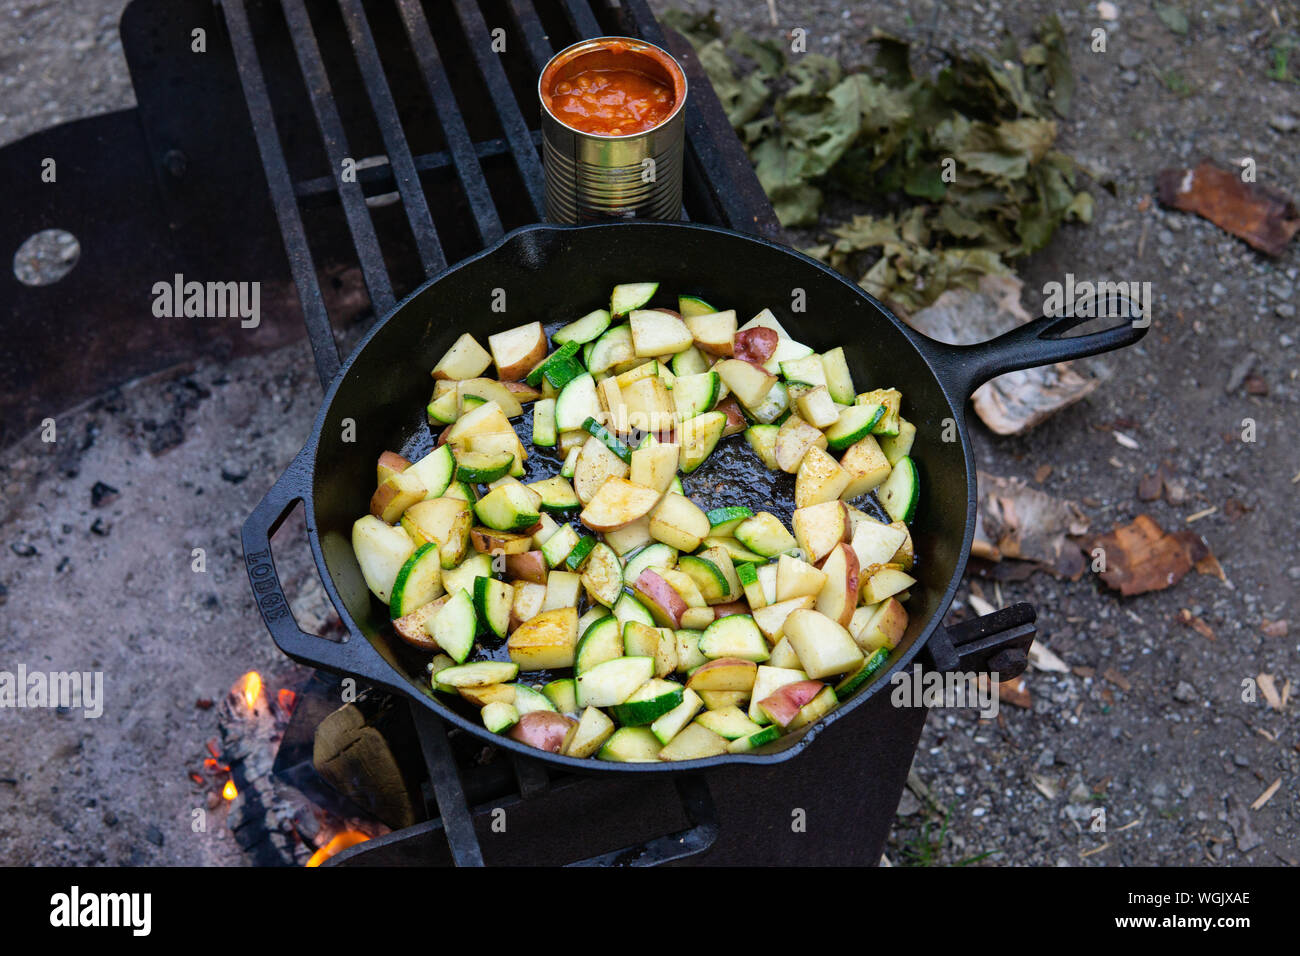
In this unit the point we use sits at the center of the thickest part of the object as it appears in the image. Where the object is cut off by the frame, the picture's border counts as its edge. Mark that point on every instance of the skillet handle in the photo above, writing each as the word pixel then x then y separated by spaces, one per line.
pixel 349 658
pixel 994 643
pixel 1040 342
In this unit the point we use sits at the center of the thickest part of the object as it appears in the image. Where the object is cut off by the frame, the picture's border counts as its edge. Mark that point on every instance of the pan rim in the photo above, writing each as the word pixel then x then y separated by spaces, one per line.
pixel 398 682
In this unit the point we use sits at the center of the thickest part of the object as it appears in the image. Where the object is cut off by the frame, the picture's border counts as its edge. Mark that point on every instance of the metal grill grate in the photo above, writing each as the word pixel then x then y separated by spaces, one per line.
pixel 417 101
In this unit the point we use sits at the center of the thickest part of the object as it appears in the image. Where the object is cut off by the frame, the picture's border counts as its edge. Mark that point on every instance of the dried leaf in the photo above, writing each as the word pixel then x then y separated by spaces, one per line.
pixel 1188 619
pixel 1027 524
pixel 1142 557
pixel 1261 215
pixel 1048 788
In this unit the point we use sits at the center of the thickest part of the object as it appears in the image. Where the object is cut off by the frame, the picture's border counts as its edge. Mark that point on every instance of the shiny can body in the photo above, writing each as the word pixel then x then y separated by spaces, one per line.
pixel 592 177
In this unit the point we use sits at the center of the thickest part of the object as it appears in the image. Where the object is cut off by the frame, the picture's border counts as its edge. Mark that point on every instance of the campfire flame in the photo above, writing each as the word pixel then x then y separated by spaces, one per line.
pixel 229 791
pixel 250 688
pixel 340 843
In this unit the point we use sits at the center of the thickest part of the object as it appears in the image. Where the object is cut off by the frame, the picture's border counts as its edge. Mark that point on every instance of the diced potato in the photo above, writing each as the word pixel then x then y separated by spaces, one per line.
pixel 793 440
pixel 796 578
pixel 465 359
pixel 656 466
pixel 446 522
pixel 771 619
pixel 819 528
pixel 398 492
pixel 823 646
pixel 562 590
pixel 817 408
pixel 546 641
pixel 517 350
pixel 820 478
pixel 866 465
pixel 656 332
pixel 678 522
pixel 618 502
pixel 713 332
pixel 596 464
pixel 749 383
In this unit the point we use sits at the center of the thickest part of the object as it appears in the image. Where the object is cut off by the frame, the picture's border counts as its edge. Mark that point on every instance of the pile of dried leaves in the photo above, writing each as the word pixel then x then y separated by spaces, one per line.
pixel 959 165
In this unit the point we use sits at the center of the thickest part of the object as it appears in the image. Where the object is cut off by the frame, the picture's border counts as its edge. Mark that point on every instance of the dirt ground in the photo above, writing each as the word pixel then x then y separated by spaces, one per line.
pixel 1149 724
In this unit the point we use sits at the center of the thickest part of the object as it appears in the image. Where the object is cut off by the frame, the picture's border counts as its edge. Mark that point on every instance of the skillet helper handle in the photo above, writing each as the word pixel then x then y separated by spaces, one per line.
pixel 702 817
pixel 1043 342
pixel 305 648
pixel 996 643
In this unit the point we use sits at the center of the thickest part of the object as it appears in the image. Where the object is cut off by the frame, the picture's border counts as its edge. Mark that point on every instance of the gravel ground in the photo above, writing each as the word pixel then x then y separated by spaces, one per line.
pixel 1164 742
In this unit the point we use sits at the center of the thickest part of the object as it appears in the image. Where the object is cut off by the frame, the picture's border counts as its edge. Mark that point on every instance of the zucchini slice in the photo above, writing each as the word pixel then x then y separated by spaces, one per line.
pixel 853 425
pixel 695 394
pixel 735 635
pixel 576 403
pixel 435 471
pixel 689 305
pixel 901 490
pixel 558 368
pixel 723 521
pixel 557 494
pixel 580 552
pixel 610 351
pixel 584 330
pixel 499 716
pixel 482 467
pixel 698 437
pixel 511 507
pixel 708 577
pixel 453 628
pixel 653 555
pixel 418 582
pixel 631 745
pixel 613 682
pixel 544 423
pixel 894 446
pixel 602 641
pixel 492 602
pixel 631 295
pixel 479 674
pixel 648 703
pixel 610 440
pixel 839 380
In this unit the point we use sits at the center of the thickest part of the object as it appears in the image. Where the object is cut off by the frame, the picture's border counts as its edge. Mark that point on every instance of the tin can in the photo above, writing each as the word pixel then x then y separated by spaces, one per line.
pixel 592 176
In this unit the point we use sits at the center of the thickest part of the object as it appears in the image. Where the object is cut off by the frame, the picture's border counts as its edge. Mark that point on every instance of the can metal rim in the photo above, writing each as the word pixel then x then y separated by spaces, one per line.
pixel 583 47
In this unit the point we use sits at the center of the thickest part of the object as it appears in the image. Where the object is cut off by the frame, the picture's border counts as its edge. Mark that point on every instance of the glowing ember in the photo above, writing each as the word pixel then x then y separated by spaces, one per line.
pixel 229 791
pixel 286 699
pixel 250 688
pixel 337 845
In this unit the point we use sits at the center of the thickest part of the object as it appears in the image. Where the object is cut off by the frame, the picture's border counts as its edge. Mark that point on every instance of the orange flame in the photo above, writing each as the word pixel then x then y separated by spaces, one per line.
pixel 337 845
pixel 250 687
pixel 229 791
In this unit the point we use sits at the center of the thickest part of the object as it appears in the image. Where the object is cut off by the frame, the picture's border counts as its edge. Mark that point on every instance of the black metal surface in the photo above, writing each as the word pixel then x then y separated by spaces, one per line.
pixel 453 808
pixel 560 271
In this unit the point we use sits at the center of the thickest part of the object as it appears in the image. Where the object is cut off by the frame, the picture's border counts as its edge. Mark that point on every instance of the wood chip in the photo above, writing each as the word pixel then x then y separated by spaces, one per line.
pixel 1267 795
pixel 1042 473
pixel 1187 619
pixel 1015 692
pixel 1046 787
pixel 1204 513
pixel 1042 658
pixel 980 606
pixel 1126 441
pixel 1118 679
pixel 1268 687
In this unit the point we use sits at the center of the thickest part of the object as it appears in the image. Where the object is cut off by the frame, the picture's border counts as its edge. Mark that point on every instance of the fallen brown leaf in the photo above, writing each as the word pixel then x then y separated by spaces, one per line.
pixel 1042 473
pixel 1021 522
pixel 1256 385
pixel 1235 509
pixel 1259 214
pixel 1151 486
pixel 1142 557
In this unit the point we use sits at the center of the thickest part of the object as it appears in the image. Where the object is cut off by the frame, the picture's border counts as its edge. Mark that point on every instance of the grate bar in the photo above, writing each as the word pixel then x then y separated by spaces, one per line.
pixel 582 19
pixel 355 210
pixel 432 257
pixel 301 266
pixel 461 150
pixel 535 38
pixel 379 179
pixel 527 160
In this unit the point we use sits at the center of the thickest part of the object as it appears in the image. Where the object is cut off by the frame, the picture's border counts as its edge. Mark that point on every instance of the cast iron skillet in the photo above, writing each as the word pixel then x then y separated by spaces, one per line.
pixel 554 274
